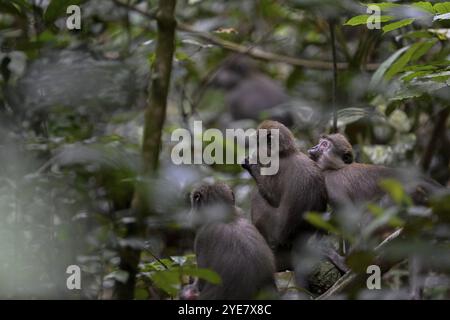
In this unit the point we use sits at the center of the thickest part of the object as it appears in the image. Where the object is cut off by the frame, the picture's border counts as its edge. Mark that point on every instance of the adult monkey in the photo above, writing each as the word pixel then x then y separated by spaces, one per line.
pixel 280 201
pixel 230 245
pixel 249 93
pixel 350 182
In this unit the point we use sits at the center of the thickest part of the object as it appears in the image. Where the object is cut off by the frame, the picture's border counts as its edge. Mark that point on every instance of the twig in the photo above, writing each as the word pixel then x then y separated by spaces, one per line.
pixel 333 93
pixel 249 50
pixel 350 277
pixel 156 258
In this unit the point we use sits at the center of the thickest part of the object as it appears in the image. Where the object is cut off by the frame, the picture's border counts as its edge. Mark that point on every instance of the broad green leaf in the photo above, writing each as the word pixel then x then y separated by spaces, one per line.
pixel 410 76
pixel 399 64
pixel 382 214
pixel 395 191
pixel 423 49
pixel 317 220
pixel 425 6
pixel 441 8
pixel 420 67
pixel 378 75
pixel 396 25
pixel 167 280
pixel 421 34
pixel 350 115
pixel 357 20
pixel 202 273
pixel 362 19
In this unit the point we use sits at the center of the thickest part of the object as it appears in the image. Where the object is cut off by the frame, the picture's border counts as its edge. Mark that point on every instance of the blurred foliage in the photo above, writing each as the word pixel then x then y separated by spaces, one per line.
pixel 72 104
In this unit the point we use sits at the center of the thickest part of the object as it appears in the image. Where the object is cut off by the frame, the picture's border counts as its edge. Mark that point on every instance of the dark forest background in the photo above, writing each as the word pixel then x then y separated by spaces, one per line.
pixel 86 118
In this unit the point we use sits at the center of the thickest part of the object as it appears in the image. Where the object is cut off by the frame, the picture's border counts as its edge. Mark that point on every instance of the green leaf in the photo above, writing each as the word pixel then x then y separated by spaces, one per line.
pixel 205 274
pixel 167 280
pixel 318 221
pixel 378 75
pixel 362 19
pixel 441 8
pixel 355 21
pixel 423 49
pixel 57 8
pixel 416 74
pixel 350 115
pixel 396 25
pixel 395 191
pixel 399 64
pixel 384 216
pixel 425 6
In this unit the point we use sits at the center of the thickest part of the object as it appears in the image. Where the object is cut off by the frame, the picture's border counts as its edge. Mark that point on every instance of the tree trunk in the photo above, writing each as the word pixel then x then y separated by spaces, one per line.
pixel 155 116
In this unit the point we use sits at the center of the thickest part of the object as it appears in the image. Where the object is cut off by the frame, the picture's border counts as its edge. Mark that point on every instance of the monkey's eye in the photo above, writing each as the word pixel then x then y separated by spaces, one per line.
pixel 197 197
pixel 347 158
pixel 324 144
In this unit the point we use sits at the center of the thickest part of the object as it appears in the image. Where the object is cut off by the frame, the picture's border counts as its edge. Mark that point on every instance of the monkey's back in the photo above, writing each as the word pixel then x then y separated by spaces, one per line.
pixel 311 186
pixel 240 255
pixel 297 188
pixel 307 191
pixel 356 183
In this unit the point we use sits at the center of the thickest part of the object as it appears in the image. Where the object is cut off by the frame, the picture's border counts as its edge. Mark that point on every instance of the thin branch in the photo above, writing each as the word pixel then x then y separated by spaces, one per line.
pixel 250 50
pixel 351 277
pixel 335 74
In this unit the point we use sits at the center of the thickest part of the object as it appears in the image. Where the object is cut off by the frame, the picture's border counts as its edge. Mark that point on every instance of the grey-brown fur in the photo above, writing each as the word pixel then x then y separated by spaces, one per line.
pixel 250 94
pixel 234 249
pixel 350 182
pixel 281 200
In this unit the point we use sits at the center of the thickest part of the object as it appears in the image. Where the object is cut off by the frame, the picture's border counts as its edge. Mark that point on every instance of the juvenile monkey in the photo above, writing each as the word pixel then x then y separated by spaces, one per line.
pixel 230 245
pixel 281 200
pixel 350 182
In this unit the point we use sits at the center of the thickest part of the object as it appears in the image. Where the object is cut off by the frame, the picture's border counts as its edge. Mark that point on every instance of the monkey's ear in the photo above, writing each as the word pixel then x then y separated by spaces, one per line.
pixel 347 158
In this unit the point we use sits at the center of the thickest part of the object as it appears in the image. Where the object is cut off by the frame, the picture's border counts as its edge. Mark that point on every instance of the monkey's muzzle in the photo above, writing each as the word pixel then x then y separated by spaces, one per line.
pixel 246 164
pixel 314 152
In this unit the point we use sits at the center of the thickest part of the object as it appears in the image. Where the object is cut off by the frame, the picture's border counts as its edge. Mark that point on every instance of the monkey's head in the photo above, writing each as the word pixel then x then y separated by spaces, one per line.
pixel 333 152
pixel 286 138
pixel 208 195
pixel 233 70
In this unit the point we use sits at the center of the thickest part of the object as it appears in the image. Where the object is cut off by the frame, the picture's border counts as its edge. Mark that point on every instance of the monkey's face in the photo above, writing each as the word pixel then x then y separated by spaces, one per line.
pixel 331 153
pixel 212 203
pixel 318 150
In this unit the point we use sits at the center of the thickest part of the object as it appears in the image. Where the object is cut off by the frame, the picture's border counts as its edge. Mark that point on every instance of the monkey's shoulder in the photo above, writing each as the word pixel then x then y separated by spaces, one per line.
pixel 361 170
pixel 301 163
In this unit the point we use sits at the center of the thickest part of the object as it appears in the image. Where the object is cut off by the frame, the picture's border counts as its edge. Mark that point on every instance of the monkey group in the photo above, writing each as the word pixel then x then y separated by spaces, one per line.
pixel 246 253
